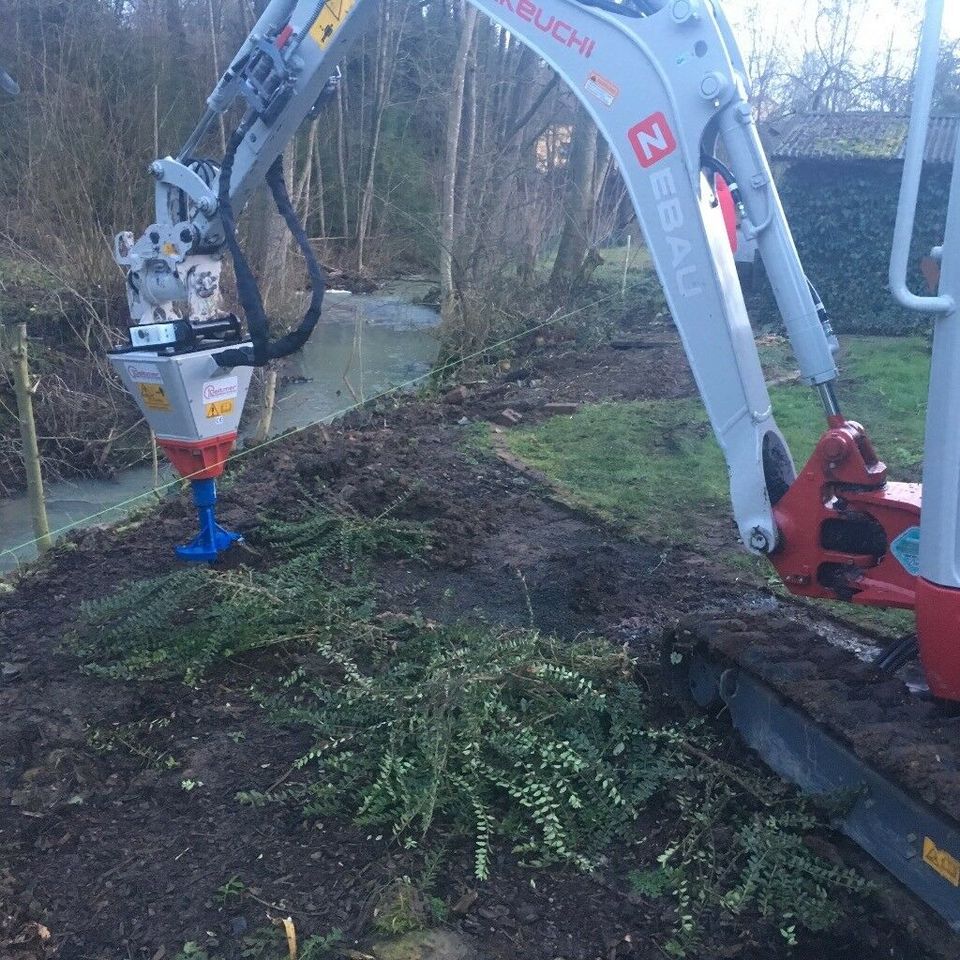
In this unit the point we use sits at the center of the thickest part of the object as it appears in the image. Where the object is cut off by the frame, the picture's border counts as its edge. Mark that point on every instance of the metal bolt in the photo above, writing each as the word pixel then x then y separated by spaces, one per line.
pixel 758 540
pixel 154 237
pixel 186 236
pixel 712 86
pixel 156 169
pixel 682 11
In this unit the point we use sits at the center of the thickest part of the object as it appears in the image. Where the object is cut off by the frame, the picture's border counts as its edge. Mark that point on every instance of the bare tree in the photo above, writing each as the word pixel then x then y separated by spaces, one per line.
pixel 578 203
pixel 448 300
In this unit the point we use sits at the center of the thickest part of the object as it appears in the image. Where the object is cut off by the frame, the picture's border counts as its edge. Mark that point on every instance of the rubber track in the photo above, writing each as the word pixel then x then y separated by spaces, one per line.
pixel 912 740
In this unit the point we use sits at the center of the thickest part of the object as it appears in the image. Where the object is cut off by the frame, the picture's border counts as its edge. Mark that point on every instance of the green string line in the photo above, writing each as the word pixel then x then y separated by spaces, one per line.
pixel 328 418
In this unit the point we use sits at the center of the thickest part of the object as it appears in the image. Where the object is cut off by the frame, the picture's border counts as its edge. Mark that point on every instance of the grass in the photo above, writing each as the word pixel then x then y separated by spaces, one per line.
pixel 654 468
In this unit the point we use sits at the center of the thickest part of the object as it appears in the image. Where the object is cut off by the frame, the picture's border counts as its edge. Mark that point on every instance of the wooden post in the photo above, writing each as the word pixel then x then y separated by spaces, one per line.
pixel 269 405
pixel 626 267
pixel 28 433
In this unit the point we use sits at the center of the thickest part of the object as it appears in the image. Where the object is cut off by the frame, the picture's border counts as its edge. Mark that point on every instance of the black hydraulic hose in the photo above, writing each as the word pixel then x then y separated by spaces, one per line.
pixel 263 349
pixel 714 165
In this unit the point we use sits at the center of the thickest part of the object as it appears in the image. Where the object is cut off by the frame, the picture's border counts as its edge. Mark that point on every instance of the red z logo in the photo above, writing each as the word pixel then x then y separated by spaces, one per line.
pixel 652 139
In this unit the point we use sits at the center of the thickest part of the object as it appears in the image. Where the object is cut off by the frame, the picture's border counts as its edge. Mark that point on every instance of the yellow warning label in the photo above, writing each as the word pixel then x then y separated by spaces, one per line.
pixel 946 865
pixel 219 409
pixel 328 23
pixel 153 396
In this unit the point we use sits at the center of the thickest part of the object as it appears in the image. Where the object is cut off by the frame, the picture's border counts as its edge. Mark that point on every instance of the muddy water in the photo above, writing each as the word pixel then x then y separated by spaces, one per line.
pixel 365 344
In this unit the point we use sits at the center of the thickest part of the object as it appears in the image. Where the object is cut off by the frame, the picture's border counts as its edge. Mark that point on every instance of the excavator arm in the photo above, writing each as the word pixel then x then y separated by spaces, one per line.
pixel 664 86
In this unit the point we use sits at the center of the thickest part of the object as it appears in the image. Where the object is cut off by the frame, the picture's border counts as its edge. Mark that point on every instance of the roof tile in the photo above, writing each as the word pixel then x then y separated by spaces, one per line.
pixel 857 136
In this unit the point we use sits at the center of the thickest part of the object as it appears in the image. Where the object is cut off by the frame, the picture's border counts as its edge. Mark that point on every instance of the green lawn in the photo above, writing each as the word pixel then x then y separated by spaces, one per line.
pixel 653 467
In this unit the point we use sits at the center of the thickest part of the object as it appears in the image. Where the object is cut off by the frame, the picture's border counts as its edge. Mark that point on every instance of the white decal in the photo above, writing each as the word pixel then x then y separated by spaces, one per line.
pixel 226 388
pixel 143 374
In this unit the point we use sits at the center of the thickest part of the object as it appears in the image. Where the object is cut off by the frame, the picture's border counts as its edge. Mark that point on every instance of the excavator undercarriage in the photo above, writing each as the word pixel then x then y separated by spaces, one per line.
pixel 884 761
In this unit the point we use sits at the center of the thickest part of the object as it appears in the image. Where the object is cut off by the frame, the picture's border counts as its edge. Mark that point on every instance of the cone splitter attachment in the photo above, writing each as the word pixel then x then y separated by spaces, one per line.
pixel 212 539
pixel 194 408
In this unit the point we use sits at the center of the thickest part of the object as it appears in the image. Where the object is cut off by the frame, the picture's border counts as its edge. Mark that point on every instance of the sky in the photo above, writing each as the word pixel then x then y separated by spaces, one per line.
pixel 794 18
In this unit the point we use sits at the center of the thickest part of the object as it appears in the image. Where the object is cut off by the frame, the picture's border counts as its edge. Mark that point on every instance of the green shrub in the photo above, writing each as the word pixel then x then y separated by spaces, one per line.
pixel 492 731
pixel 842 217
pixel 185 622
pixel 743 860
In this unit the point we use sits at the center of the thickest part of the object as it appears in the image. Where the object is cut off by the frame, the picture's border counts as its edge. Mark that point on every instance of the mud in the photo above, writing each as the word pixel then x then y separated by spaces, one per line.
pixel 107 854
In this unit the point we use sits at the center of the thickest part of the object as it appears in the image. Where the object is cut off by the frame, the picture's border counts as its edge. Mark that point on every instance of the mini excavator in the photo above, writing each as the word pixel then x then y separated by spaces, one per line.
pixel 667 87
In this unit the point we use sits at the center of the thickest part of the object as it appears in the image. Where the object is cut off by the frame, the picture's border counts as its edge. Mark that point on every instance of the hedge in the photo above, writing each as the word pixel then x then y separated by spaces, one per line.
pixel 842 216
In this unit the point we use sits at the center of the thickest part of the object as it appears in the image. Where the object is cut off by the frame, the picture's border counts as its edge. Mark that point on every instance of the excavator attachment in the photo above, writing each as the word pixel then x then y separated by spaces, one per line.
pixel 193 407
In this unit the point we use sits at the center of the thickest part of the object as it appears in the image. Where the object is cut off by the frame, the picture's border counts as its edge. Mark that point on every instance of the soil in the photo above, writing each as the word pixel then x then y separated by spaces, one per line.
pixel 105 854
pixel 910 739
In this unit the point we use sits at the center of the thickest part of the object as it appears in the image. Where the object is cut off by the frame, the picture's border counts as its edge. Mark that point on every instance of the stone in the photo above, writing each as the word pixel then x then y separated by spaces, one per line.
pixel 508 417
pixel 457 395
pixel 561 409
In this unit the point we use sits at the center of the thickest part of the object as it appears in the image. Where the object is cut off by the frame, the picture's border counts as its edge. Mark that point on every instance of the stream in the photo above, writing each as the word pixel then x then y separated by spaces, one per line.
pixel 365 344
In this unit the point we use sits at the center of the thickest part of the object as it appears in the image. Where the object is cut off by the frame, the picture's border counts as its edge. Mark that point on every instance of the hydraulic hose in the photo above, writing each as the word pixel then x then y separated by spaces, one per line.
pixel 263 349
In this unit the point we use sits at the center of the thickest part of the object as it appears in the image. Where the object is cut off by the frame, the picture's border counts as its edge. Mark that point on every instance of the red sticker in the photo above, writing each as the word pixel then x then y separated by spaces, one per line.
pixel 652 139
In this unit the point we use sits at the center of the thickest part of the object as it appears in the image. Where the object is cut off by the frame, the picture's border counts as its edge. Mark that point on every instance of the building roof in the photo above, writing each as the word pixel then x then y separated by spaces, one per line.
pixel 856 136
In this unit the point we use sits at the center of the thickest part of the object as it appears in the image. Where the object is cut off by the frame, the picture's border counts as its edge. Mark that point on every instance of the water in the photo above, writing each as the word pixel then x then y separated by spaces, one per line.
pixel 364 345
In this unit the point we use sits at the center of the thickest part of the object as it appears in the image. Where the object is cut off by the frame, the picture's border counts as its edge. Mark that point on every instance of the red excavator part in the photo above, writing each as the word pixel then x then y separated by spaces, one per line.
pixel 837 522
pixel 199 459
pixel 938 636
pixel 728 209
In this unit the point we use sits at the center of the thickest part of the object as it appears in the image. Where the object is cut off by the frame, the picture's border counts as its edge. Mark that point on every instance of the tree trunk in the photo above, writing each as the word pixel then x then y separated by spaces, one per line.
pixel 578 204
pixel 270 241
pixel 28 434
pixel 448 303
pixel 342 161
pixel 269 245
pixel 380 85
pixel 463 194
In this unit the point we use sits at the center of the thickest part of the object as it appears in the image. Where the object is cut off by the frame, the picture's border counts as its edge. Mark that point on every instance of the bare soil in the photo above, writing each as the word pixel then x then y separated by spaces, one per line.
pixel 110 856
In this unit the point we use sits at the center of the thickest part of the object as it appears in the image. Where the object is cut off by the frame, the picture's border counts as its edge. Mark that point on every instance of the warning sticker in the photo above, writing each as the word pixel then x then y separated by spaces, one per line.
pixel 143 374
pixel 906 548
pixel 331 18
pixel 944 863
pixel 606 91
pixel 153 396
pixel 219 408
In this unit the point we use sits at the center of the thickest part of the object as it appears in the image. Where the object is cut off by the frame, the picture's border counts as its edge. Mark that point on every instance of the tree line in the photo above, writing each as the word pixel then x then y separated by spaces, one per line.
pixel 450 149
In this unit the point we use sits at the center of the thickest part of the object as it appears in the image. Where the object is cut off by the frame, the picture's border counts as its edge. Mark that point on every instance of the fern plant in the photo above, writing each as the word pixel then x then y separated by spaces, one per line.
pixel 185 622
pixel 494 732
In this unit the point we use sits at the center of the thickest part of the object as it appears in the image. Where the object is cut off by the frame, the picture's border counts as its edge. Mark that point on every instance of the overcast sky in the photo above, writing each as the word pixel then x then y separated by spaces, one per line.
pixel 793 21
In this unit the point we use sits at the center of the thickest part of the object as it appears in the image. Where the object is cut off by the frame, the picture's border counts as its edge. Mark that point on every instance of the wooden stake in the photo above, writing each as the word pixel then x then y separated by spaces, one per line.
pixel 28 433
pixel 269 405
